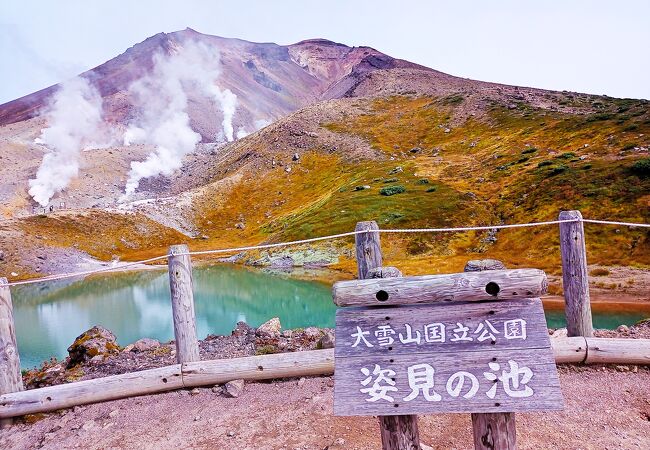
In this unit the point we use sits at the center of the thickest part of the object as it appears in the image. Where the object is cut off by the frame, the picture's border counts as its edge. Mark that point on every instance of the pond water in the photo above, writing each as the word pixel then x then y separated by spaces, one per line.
pixel 50 316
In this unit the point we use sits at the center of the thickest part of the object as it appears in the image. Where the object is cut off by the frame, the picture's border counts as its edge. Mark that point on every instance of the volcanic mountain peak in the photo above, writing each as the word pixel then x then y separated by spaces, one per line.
pixel 269 80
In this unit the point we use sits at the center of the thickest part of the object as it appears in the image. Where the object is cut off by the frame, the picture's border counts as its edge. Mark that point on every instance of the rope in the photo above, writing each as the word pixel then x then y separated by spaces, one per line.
pixel 625 224
pixel 64 276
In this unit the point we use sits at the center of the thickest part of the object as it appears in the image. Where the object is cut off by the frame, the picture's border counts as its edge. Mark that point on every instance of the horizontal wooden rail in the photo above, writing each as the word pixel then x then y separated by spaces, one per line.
pixel 468 286
pixel 263 367
pixel 281 365
pixel 192 374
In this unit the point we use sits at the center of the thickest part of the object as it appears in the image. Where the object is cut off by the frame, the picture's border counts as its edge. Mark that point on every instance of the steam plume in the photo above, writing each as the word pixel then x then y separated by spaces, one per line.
pixel 162 100
pixel 74 117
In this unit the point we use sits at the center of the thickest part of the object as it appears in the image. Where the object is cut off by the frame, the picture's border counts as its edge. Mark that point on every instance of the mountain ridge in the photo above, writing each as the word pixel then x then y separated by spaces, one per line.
pixel 464 152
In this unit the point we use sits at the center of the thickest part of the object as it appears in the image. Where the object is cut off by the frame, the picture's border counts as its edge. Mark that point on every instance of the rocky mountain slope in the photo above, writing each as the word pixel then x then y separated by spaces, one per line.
pixel 367 137
pixel 269 80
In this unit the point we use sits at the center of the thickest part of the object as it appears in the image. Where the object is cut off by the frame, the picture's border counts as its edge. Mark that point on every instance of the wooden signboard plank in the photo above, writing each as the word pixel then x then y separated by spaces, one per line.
pixel 468 286
pixel 469 381
pixel 479 357
pixel 441 327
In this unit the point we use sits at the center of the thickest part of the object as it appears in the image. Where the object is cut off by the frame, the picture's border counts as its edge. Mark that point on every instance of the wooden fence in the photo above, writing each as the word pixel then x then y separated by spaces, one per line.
pixel 190 371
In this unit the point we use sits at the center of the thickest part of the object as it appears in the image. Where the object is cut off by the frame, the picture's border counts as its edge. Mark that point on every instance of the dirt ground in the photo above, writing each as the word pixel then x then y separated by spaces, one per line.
pixel 606 408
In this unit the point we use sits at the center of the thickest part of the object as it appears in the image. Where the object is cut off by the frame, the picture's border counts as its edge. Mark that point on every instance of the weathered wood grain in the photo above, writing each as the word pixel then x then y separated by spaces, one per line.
pixel 316 362
pixel 368 248
pixel 349 400
pixel 473 315
pixel 570 349
pixel 182 296
pixel 575 279
pixel 623 351
pixel 470 286
pixel 11 379
pixel 494 431
pixel 397 432
pixel 91 391
pixel 263 367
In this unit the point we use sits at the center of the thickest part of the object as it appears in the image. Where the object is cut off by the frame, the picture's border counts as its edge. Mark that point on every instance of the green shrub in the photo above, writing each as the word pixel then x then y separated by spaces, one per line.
pixel 641 168
pixel 523 159
pixel 422 181
pixel 632 127
pixel 545 163
pixel 393 216
pixel 392 190
pixel 390 180
pixel 599 272
pixel 628 146
pixel 432 189
pixel 266 350
pixel 453 99
pixel 586 167
pixel 600 116
pixel 529 150
pixel 558 170
pixel 567 155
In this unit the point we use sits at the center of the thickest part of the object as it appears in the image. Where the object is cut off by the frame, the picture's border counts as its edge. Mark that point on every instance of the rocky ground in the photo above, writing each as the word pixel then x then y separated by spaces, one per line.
pixel 606 406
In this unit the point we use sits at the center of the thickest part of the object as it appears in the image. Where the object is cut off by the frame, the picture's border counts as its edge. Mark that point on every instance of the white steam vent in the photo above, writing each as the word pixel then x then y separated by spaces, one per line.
pixel 74 117
pixel 162 101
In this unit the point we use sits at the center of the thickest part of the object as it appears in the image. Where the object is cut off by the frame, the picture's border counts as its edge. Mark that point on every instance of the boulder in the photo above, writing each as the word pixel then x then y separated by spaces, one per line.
pixel 2 255
pixel 560 333
pixel 384 272
pixel 326 341
pixel 144 344
pixel 98 341
pixel 233 388
pixel 479 265
pixel 241 329
pixel 270 328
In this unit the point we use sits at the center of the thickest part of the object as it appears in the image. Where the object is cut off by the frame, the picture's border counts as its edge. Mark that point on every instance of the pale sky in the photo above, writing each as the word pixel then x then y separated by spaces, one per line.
pixel 598 47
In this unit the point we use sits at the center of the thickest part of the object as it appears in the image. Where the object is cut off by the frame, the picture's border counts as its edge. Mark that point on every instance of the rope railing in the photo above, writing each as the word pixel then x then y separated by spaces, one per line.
pixel 120 267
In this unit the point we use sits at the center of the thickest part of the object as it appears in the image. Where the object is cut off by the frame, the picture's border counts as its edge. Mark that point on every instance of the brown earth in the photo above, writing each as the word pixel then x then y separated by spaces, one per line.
pixel 605 407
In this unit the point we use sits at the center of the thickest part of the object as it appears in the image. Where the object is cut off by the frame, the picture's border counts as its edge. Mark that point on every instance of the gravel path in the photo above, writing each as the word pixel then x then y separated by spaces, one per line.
pixel 605 408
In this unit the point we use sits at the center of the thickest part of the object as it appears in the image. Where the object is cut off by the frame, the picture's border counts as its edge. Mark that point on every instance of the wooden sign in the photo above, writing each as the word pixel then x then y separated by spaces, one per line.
pixel 476 286
pixel 478 356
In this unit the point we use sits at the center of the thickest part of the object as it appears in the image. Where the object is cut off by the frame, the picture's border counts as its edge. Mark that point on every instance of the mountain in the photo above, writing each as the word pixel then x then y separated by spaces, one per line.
pixel 356 135
pixel 269 80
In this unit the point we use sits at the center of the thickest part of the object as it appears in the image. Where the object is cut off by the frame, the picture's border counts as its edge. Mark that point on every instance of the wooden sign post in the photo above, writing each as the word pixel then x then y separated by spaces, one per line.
pixel 444 343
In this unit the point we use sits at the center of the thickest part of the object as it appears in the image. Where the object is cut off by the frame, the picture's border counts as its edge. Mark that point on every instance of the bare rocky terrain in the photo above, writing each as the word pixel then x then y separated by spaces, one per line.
pixel 606 406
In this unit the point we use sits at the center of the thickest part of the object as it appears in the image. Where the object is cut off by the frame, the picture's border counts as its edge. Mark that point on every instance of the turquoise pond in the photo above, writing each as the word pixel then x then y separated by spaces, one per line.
pixel 50 316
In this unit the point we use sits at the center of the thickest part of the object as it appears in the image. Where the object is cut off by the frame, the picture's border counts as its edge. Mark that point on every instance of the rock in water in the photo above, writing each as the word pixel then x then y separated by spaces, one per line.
pixel 94 342
pixel 234 388
pixel 270 328
pixel 144 344
pixel 479 265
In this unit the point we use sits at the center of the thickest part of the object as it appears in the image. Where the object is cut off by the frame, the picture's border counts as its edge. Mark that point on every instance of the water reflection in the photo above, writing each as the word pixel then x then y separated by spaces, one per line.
pixel 137 305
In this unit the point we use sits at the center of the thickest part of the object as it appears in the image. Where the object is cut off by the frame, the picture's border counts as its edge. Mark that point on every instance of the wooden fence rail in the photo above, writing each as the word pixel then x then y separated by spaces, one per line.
pixel 281 365
pixel 190 371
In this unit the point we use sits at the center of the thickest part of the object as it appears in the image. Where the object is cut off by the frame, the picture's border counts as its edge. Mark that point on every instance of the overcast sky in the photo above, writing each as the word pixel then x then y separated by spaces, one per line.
pixel 599 47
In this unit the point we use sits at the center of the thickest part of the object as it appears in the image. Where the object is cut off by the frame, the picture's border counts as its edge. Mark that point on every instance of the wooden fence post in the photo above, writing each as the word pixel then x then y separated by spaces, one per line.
pixel 575 276
pixel 11 379
pixel 397 432
pixel 182 295
pixel 494 431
